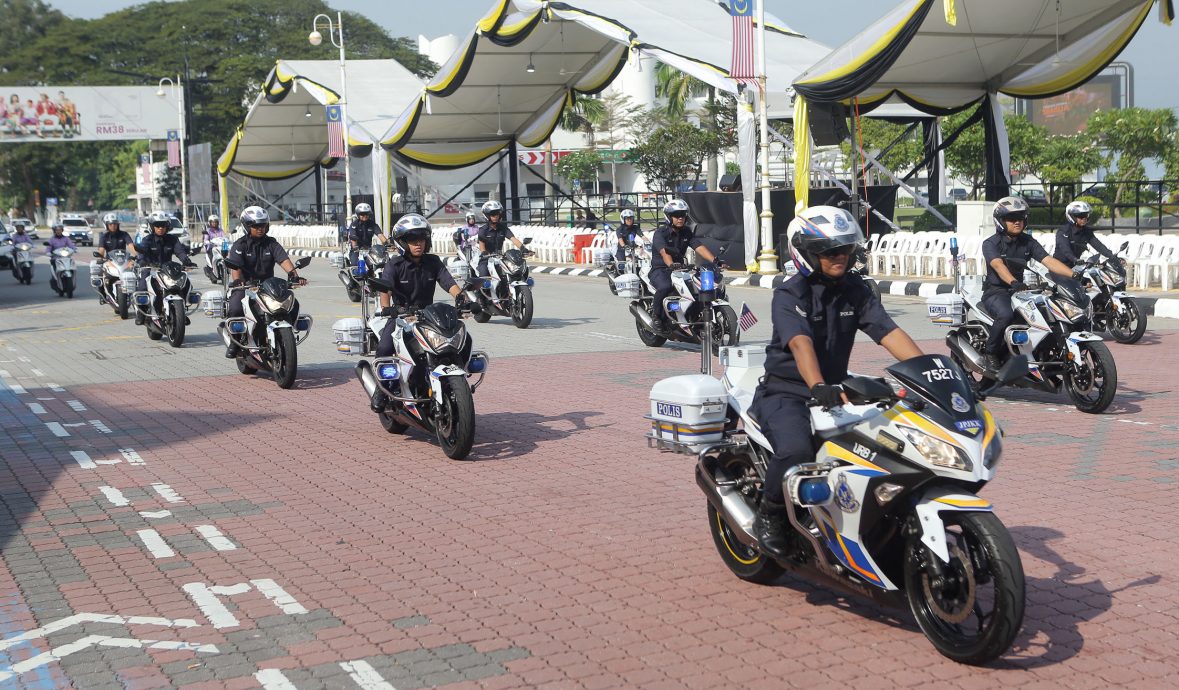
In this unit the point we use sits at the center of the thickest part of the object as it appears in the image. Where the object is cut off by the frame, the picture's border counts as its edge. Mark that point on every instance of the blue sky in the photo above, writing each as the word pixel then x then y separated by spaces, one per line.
pixel 1154 53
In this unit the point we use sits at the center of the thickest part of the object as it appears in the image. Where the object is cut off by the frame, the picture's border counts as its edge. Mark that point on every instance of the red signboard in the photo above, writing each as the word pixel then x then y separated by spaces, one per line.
pixel 538 157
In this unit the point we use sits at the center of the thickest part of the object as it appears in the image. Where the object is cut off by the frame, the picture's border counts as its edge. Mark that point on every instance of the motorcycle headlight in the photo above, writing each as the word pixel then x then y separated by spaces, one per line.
pixel 170 283
pixel 273 305
pixel 439 342
pixel 937 451
pixel 511 266
pixel 1071 311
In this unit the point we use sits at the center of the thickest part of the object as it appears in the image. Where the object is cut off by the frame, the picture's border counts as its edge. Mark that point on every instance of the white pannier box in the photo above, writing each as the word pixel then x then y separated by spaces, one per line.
pixel 95 273
pixel 460 270
pixel 348 335
pixel 687 413
pixel 336 259
pixel 628 286
pixel 213 302
pixel 603 256
pixel 948 309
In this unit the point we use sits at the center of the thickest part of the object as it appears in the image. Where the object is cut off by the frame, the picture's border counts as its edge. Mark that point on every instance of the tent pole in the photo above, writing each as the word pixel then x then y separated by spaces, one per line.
pixel 930 136
pixel 768 259
pixel 514 178
pixel 319 191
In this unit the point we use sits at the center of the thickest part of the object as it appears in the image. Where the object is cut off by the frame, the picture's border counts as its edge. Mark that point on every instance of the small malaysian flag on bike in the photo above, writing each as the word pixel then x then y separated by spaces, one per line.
pixel 747 319
pixel 335 125
pixel 173 148
pixel 741 65
pixel 145 167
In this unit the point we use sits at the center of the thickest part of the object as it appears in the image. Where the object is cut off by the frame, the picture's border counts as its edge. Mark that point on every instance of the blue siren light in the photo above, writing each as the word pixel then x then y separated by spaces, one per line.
pixel 1019 337
pixel 477 365
pixel 237 327
pixel 814 491
pixel 487 285
pixel 530 282
pixel 388 372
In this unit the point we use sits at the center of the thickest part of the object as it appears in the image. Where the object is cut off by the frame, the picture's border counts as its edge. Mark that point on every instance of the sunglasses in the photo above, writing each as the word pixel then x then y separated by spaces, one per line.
pixel 1079 216
pixel 838 251
pixel 679 214
pixel 1020 218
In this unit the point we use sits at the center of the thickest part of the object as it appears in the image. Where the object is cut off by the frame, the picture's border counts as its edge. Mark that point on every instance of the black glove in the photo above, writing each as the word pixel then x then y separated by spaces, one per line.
pixel 676 267
pixel 1018 286
pixel 295 279
pixel 708 266
pixel 827 395
pixel 189 264
pixel 387 311
pixel 236 283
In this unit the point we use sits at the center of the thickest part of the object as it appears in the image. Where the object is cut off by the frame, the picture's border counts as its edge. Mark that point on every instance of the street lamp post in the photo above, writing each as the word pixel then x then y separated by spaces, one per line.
pixel 768 260
pixel 178 91
pixel 336 35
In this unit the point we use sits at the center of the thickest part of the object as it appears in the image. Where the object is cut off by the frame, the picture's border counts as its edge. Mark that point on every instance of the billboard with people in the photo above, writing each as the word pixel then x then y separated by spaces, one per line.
pixel 84 113
pixel 1068 113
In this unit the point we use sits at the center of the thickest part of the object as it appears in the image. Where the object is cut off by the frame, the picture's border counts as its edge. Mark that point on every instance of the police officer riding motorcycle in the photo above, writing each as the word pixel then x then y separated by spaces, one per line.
pixel 114 276
pixel 162 282
pixel 507 290
pixel 361 234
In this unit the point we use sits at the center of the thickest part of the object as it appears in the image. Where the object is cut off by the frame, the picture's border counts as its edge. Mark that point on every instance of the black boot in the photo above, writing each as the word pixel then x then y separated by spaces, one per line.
pixel 378 402
pixel 232 351
pixel 771 530
pixel 993 364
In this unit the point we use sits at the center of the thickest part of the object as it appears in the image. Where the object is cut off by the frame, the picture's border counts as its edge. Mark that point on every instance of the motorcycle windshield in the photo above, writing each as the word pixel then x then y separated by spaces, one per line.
pixel 276 288
pixel 1072 291
pixel 441 317
pixel 938 380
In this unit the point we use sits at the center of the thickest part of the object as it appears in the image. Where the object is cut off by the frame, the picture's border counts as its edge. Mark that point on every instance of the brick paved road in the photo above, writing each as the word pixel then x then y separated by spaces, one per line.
pixel 158 533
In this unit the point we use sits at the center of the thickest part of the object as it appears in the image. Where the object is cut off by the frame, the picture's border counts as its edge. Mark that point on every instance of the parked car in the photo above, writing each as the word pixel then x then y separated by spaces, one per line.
pixel 30 226
pixel 959 194
pixel 1035 197
pixel 617 203
pixel 177 229
pixel 78 230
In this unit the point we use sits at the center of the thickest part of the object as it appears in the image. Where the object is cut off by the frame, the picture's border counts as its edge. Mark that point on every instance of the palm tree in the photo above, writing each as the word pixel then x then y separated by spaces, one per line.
pixel 583 115
pixel 678 88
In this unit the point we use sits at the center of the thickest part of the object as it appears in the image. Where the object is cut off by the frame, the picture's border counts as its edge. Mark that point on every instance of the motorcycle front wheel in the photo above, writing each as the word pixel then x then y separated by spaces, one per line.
pixel 1128 326
pixel 454 420
pixel 522 308
pixel 1092 381
pixel 26 275
pixel 974 610
pixel 390 424
pixel 67 286
pixel 286 358
pixel 725 330
pixel 176 329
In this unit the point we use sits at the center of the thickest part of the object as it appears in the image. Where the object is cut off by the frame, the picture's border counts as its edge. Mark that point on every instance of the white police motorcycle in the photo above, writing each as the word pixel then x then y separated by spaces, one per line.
pixel 507 290
pixel 114 279
pixel 169 287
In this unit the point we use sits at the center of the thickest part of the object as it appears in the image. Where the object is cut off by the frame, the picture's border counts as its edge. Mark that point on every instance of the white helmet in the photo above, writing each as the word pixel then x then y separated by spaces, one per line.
pixel 819 229
pixel 626 213
pixel 254 215
pixel 1007 207
pixel 363 208
pixel 1077 208
pixel 675 206
pixel 213 218
pixel 471 216
pixel 490 207
pixel 158 218
pixel 110 218
pixel 410 226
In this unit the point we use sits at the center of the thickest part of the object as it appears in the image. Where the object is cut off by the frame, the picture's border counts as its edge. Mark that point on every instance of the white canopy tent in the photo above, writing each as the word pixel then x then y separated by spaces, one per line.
pixel 943 56
pixel 285 131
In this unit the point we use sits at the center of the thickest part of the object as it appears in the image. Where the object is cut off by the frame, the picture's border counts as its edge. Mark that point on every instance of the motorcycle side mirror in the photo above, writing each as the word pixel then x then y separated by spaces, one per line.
pixel 232 265
pixel 380 285
pixel 96 255
pixel 303 262
pixel 527 240
pixel 1125 246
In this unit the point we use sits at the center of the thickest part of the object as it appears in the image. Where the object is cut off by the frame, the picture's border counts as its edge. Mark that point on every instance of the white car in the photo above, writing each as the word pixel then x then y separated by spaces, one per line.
pixel 30 226
pixel 78 230
pixel 177 229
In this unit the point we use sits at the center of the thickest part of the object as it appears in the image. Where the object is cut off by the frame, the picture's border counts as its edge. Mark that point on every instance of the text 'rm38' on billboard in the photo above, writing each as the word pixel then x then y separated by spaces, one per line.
pixel 85 113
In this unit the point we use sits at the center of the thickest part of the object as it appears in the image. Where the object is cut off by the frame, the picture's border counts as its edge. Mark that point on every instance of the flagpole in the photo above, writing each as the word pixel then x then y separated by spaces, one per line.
pixel 768 259
pixel 183 167
pixel 344 119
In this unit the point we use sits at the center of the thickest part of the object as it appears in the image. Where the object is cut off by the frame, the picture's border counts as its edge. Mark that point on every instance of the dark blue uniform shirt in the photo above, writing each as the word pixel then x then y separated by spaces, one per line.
pixel 830 315
pixel 363 233
pixel 1021 249
pixel 676 242
pixel 493 237
pixel 256 258
pixel 113 241
pixel 159 249
pixel 1071 241
pixel 624 231
pixel 413 283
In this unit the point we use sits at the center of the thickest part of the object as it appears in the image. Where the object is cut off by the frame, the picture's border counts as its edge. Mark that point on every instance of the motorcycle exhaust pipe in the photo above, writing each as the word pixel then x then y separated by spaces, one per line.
pixel 345 278
pixel 960 345
pixel 368 379
pixel 224 333
pixel 636 308
pixel 729 504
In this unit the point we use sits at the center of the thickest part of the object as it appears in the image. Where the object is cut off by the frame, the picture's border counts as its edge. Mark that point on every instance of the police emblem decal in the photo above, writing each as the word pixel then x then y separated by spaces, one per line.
pixel 959 403
pixel 844 496
pixel 840 222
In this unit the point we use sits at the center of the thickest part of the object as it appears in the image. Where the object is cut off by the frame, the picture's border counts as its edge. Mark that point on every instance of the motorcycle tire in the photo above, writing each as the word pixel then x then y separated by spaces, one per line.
pixel 153 334
pixel 209 275
pixel 220 274
pixel 286 358
pixel 390 424
pixel 26 275
pixel 983 554
pixel 244 368
pixel 522 308
pixel 744 561
pixel 176 329
pixel 353 295
pixel 124 309
pixel 610 282
pixel 483 316
pixel 455 428
pixel 67 286
pixel 650 338
pixel 1135 320
pixel 1092 391
pixel 726 332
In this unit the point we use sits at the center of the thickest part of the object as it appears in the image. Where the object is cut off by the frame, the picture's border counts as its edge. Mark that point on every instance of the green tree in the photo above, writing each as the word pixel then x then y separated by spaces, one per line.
pixel 26 22
pixel 672 153
pixel 581 165
pixel 1027 142
pixel 583 115
pixel 1132 136
pixel 966 157
pixel 879 134
pixel 1065 160
pixel 678 88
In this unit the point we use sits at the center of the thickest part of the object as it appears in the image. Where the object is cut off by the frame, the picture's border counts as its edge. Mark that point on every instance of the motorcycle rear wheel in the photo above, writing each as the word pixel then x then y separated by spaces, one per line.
pixel 390 424
pixel 744 561
pixel 286 358
pixel 354 295
pixel 984 569
pixel 245 368
pixel 482 317
pixel 1134 320
pixel 522 308
pixel 1093 388
pixel 454 423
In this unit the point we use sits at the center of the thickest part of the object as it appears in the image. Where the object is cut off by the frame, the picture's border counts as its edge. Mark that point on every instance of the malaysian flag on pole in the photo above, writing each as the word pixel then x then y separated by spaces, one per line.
pixel 173 148
pixel 145 167
pixel 747 319
pixel 335 124
pixel 741 68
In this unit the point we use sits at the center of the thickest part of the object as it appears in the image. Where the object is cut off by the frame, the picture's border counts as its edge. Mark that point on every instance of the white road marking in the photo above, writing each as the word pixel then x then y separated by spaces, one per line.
pixel 167 493
pixel 38 372
pixel 83 459
pixel 365 675
pixel 273 679
pixel 155 543
pixel 24 359
pixel 55 388
pixel 46 399
pixel 10 381
pixel 76 405
pixel 272 591
pixel 155 515
pixel 215 538
pixel 57 429
pixel 115 496
pixel 77 618
pixel 132 457
pixel 36 408
pixel 102 428
pixel 206 599
pixel 61 652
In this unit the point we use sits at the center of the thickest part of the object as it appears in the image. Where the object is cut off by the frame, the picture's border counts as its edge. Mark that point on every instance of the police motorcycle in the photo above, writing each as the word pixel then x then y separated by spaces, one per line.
pixel 1114 311
pixel 267 336
pixel 215 260
pixel 507 290
pixel 888 508
pixel 21 260
pixel 859 266
pixel 177 300
pixel 62 271
pixel 1049 329
pixel 424 384
pixel 114 279
pixel 631 272
pixel 687 312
